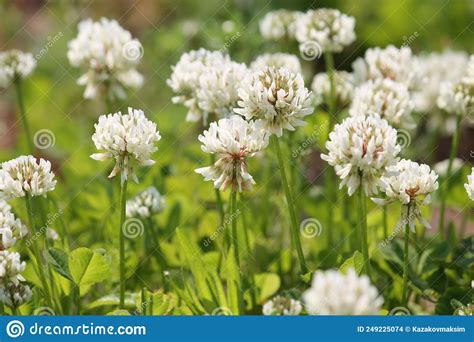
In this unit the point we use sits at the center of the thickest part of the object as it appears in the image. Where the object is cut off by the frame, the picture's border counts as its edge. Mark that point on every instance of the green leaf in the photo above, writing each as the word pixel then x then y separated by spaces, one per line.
pixel 233 282
pixel 113 300
pixel 88 267
pixel 58 259
pixel 174 217
pixel 356 261
pixel 267 285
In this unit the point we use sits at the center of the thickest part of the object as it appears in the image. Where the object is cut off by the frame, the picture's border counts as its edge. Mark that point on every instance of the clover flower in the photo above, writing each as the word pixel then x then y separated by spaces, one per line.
pixel 334 293
pixel 393 63
pixel 109 54
pixel 361 149
pixel 11 267
pixel 279 24
pixel 25 175
pixel 327 27
pixel 436 68
pixel 457 98
pixel 233 140
pixel 276 96
pixel 277 60
pixel 15 64
pixel 469 186
pixel 15 294
pixel 128 138
pixel 206 83
pixel 391 100
pixel 465 310
pixel 343 88
pixel 51 234
pixel 11 228
pixel 412 184
pixel 146 204
pixel 282 306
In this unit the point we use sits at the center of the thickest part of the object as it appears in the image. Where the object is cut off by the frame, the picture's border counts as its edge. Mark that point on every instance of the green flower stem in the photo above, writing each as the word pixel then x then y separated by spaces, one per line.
pixel 21 106
pixel 363 230
pixel 36 252
pixel 447 182
pixel 385 221
pixel 123 201
pixel 219 203
pixel 291 209
pixel 405 264
pixel 234 236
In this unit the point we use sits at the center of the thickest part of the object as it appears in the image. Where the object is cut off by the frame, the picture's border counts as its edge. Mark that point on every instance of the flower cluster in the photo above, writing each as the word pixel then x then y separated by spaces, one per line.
pixel 279 24
pixel 343 88
pixel 282 306
pixel 233 140
pixel 276 96
pixel 393 63
pixel 128 139
pixel 278 60
pixel 361 149
pixel 334 293
pixel 11 228
pixel 391 100
pixel 12 291
pixel 25 175
pixel 109 54
pixel 146 204
pixel 469 186
pixel 15 64
pixel 329 28
pixel 206 83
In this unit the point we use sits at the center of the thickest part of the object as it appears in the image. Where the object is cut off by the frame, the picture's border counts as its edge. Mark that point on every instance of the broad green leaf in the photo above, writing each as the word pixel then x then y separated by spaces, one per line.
pixel 88 267
pixel 267 285
pixel 233 282
pixel 173 217
pixel 58 259
pixel 356 261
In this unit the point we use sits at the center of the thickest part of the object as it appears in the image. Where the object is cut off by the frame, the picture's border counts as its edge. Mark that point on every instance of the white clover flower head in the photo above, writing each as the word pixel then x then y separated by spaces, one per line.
pixel 279 24
pixel 276 96
pixel 15 294
pixel 329 28
pixel 436 68
pixel 282 306
pixel 11 228
pixel 15 64
pixel 389 99
pixel 206 83
pixel 11 267
pixel 397 64
pixel 128 138
pixel 109 54
pixel 343 88
pixel 146 204
pixel 278 60
pixel 25 175
pixel 469 186
pixel 457 98
pixel 52 234
pixel 361 149
pixel 233 141
pixel 335 293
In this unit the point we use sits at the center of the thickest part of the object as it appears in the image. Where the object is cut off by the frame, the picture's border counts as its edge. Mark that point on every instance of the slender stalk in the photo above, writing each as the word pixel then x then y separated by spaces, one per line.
pixel 36 252
pixel 78 299
pixel 14 311
pixel 385 221
pixel 219 203
pixel 405 263
pixel 21 106
pixel 235 237
pixel 291 209
pixel 447 182
pixel 363 231
pixel 123 199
